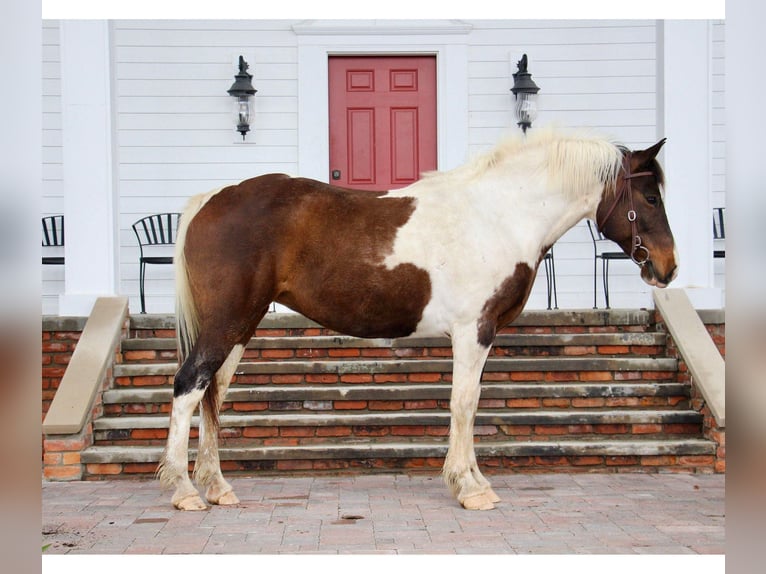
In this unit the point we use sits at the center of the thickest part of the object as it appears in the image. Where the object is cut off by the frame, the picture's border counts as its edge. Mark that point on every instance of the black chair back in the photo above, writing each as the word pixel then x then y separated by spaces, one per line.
pixel 157 230
pixel 53 236
pixel 719 230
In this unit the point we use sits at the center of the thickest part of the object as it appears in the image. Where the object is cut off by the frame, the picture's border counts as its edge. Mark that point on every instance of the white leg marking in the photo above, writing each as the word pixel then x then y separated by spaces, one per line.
pixel 461 471
pixel 207 469
pixel 175 460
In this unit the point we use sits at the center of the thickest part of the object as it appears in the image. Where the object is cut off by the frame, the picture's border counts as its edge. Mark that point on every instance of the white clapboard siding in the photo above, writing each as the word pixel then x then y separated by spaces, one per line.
pixel 177 123
pixel 718 176
pixel 52 201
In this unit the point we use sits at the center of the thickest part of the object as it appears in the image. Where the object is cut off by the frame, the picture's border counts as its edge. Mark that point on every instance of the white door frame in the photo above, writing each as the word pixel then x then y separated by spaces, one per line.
pixel 318 40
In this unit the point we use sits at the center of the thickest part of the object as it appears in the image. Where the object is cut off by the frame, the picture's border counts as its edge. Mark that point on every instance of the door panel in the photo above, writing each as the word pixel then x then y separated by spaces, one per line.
pixel 382 120
pixel 360 143
pixel 404 145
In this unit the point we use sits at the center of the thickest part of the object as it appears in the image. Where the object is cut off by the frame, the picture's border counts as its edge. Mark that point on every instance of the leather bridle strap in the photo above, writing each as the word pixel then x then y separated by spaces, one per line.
pixel 626 189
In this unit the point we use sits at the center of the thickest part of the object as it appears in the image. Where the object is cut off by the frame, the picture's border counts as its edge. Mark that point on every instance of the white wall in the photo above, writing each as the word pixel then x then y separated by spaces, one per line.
pixel 52 202
pixel 594 74
pixel 718 183
pixel 176 137
pixel 176 122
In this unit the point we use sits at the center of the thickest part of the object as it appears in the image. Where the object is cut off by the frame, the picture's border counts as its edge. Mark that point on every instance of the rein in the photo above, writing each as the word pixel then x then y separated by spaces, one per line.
pixel 626 189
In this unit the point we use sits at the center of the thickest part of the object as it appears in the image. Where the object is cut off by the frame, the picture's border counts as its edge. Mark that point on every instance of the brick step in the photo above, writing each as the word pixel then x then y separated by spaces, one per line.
pixel 559 455
pixel 579 390
pixel 408 366
pixel 563 320
pixel 332 426
pixel 135 400
pixel 301 347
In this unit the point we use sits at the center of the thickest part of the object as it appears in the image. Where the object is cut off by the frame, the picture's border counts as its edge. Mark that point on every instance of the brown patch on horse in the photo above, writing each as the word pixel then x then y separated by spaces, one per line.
pixel 506 303
pixel 316 248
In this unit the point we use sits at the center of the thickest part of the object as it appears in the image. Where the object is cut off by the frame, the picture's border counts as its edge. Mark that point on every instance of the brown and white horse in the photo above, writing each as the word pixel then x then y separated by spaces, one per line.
pixel 453 254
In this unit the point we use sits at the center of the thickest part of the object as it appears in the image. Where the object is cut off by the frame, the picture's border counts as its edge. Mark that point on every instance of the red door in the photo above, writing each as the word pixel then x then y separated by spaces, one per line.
pixel 382 120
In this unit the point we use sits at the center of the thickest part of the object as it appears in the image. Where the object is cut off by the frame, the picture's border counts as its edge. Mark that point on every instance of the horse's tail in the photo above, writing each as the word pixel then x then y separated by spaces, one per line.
pixel 187 318
pixel 187 324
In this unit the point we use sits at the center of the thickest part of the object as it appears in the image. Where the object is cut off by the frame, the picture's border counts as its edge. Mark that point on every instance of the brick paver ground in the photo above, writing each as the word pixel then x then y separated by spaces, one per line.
pixel 398 514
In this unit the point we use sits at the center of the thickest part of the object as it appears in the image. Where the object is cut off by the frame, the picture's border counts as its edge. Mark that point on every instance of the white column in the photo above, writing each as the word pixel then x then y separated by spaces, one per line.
pixel 684 88
pixel 90 198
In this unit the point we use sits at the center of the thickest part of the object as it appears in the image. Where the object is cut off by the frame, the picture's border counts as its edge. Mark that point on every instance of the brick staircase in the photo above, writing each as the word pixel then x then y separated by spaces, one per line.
pixel 585 390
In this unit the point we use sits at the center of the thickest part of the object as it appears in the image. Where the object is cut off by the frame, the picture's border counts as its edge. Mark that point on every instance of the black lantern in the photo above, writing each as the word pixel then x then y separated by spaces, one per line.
pixel 525 92
pixel 242 89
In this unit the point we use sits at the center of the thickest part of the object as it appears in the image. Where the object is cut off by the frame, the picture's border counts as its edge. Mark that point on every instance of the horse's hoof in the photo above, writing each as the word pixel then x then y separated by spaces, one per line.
pixel 190 502
pixel 226 499
pixel 492 495
pixel 477 502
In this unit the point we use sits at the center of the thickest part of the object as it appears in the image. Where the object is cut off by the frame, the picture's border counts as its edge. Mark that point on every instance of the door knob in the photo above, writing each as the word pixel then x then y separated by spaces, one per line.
pixel 336 174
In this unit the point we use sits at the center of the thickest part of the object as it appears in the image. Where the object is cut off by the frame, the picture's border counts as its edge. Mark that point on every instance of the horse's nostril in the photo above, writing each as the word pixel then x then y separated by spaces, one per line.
pixel 672 275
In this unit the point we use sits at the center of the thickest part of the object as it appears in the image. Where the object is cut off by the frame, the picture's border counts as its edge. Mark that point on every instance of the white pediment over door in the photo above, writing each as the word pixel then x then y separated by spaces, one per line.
pixel 380 27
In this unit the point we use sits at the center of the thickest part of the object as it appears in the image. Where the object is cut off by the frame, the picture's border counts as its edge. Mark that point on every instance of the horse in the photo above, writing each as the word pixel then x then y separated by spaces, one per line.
pixel 455 254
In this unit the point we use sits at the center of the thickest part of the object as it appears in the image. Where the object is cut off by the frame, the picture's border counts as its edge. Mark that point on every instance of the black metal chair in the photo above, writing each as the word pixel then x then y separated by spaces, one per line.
pixel 53 236
pixel 550 277
pixel 153 232
pixel 602 250
pixel 719 231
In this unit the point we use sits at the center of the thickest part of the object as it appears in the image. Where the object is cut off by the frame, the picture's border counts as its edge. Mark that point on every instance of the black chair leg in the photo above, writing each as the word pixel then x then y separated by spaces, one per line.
pixel 555 293
pixel 605 273
pixel 546 262
pixel 595 290
pixel 141 275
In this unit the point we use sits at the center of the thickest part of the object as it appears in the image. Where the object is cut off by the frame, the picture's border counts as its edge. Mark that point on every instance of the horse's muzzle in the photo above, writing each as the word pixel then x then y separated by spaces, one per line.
pixel 651 277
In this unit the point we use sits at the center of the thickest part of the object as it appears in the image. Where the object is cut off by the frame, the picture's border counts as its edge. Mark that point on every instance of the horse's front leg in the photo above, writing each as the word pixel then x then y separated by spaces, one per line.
pixel 207 469
pixel 461 471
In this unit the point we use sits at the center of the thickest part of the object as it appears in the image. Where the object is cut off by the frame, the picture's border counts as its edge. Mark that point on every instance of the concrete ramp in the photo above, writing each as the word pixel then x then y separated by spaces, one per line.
pixel 705 363
pixel 85 373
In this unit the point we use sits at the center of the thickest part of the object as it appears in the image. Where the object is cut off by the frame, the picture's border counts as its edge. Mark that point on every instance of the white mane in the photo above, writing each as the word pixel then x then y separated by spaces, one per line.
pixel 574 162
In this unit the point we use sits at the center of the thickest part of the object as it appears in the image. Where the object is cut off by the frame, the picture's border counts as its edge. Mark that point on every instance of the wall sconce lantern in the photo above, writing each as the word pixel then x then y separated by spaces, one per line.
pixel 242 89
pixel 525 92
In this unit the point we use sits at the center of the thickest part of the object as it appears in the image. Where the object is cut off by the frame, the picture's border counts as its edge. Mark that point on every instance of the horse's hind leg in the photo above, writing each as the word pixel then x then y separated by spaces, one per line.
pixel 461 470
pixel 173 469
pixel 207 469
pixel 191 382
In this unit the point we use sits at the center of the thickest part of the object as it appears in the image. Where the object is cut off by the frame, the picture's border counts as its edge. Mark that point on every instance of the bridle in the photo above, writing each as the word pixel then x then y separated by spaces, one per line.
pixel 626 189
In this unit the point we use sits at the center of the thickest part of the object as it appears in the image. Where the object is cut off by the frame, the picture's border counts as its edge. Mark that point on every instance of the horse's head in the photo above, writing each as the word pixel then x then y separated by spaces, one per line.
pixel 634 216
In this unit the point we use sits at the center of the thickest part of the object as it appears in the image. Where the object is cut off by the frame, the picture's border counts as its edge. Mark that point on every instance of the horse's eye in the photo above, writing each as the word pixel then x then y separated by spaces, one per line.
pixel 652 199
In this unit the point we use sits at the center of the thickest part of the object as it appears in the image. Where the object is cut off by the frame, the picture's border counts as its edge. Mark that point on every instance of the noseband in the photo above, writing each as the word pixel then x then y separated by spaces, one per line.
pixel 626 189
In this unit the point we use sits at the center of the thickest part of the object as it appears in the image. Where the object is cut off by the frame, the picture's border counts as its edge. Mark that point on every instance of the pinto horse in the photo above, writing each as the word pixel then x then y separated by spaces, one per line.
pixel 453 254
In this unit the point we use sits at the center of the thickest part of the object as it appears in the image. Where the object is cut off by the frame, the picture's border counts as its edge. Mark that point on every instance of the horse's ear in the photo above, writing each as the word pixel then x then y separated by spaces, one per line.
pixel 641 158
